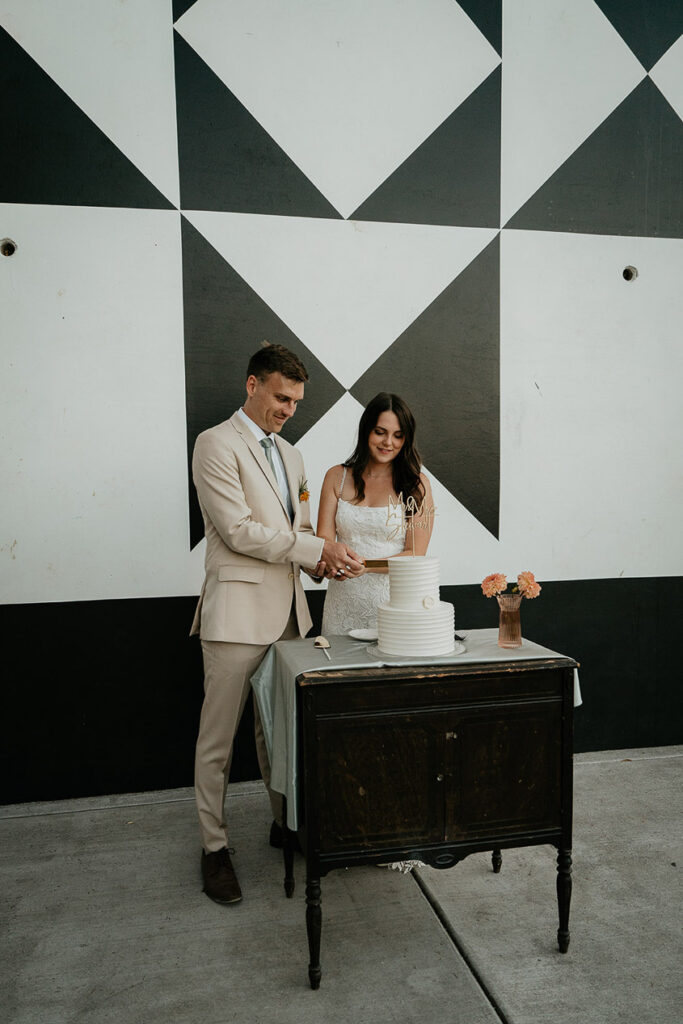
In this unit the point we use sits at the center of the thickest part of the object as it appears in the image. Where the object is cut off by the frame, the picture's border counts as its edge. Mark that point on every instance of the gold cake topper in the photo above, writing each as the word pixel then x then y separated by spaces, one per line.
pixel 409 515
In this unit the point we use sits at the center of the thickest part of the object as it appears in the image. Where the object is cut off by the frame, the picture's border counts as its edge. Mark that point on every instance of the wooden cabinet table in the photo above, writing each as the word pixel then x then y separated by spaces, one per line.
pixel 432 764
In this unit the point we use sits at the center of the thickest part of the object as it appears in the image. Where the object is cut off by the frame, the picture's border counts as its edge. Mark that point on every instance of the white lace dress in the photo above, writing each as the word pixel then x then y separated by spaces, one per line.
pixel 353 603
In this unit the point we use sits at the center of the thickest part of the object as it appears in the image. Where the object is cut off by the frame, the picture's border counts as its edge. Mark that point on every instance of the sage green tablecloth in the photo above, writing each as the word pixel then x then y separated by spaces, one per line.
pixel 274 685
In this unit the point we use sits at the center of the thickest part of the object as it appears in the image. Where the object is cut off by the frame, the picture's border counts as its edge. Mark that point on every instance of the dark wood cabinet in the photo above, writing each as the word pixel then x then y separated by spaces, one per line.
pixel 404 763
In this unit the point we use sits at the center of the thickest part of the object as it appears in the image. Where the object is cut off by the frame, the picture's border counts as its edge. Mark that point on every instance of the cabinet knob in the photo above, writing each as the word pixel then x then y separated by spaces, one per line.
pixel 439 777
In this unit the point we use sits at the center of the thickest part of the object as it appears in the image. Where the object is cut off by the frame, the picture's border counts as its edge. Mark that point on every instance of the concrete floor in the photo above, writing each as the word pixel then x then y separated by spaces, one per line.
pixel 103 919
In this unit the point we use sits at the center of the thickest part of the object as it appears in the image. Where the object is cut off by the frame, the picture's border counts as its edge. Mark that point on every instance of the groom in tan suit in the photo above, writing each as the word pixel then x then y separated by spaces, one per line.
pixel 252 493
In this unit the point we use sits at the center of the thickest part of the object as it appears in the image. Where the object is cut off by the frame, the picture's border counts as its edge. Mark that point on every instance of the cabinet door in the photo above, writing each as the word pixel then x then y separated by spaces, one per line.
pixel 504 770
pixel 375 780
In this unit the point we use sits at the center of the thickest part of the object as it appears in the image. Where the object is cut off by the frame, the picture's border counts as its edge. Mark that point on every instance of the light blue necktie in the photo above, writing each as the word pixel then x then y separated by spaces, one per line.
pixel 267 443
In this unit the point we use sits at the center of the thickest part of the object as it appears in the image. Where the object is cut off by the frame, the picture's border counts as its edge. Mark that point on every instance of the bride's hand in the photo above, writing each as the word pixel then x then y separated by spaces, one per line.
pixel 347 573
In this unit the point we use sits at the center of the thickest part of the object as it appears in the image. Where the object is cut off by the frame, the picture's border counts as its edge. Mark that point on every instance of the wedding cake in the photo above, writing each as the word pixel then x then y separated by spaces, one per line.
pixel 415 622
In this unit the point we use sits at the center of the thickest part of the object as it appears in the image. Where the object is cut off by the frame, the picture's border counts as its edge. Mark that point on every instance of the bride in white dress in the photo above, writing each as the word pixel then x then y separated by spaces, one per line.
pixel 356 509
pixel 359 506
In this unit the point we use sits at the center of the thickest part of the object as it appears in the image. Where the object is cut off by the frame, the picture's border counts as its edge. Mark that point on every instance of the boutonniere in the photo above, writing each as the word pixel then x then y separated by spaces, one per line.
pixel 304 494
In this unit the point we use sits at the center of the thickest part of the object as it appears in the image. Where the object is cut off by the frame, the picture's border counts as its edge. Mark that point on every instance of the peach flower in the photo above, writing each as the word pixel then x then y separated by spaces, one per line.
pixel 494 584
pixel 528 587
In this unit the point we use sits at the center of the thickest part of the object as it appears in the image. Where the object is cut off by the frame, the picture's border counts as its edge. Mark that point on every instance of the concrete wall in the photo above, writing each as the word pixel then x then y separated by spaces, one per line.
pixel 426 197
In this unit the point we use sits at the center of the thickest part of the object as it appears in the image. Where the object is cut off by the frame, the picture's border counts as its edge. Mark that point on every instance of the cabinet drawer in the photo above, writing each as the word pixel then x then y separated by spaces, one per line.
pixel 399 693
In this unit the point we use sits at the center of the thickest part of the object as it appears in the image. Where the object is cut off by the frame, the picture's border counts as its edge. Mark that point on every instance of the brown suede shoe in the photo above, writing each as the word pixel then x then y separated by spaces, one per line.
pixel 220 880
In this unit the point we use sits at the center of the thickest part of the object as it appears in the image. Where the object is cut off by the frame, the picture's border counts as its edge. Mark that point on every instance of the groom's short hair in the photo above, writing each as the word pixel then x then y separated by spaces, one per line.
pixel 276 359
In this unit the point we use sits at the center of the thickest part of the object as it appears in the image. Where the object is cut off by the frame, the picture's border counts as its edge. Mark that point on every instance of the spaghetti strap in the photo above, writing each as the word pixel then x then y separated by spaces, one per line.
pixel 341 486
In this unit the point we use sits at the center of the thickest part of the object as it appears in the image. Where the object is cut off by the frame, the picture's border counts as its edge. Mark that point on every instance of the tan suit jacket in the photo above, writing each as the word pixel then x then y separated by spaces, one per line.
pixel 253 551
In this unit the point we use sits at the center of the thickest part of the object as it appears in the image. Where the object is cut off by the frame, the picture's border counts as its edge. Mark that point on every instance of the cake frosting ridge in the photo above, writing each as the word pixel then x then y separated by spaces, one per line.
pixel 415 622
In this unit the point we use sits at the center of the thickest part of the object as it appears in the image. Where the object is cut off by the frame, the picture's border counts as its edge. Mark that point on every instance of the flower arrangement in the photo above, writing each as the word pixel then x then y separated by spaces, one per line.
pixel 304 493
pixel 497 583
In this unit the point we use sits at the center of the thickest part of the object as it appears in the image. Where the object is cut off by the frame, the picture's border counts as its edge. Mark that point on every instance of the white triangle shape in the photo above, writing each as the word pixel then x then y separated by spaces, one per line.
pixel 667 74
pixel 565 69
pixel 115 61
pixel 464 547
pixel 348 89
pixel 347 289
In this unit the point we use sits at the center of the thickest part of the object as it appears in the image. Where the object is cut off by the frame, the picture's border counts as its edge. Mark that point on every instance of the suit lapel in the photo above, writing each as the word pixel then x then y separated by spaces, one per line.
pixel 260 456
pixel 289 462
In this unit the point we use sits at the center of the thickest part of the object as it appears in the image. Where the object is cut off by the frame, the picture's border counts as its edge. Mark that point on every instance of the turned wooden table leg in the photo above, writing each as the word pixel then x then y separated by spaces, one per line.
pixel 288 856
pixel 496 860
pixel 564 895
pixel 313 927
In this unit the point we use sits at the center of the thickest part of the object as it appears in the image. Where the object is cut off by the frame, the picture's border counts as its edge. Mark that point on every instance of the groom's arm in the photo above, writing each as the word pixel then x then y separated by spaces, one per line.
pixel 216 476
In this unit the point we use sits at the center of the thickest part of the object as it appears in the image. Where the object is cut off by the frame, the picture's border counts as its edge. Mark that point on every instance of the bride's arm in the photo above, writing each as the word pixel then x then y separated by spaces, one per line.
pixel 423 524
pixel 327 512
pixel 327 507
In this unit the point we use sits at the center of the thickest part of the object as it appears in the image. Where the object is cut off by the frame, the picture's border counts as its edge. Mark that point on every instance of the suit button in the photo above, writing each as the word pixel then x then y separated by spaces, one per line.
pixel 291 575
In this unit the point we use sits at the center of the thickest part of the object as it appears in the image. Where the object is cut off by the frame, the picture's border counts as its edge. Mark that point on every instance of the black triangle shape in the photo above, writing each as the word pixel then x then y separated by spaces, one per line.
pixel 648 27
pixel 624 180
pixel 487 16
pixel 180 7
pixel 53 152
pixel 227 160
pixel 225 323
pixel 446 366
pixel 454 176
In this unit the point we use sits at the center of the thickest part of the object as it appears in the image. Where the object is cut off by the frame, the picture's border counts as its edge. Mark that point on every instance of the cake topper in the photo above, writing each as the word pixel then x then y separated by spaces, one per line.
pixel 409 515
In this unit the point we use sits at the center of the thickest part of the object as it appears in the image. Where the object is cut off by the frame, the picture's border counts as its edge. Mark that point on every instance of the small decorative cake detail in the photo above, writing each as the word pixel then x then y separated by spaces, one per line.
pixel 415 622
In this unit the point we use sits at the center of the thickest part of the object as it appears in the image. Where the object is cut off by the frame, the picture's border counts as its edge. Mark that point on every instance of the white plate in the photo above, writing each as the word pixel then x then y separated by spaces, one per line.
pixel 363 634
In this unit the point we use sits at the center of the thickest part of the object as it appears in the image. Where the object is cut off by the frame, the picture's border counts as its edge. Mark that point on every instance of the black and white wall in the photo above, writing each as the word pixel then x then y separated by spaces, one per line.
pixel 422 196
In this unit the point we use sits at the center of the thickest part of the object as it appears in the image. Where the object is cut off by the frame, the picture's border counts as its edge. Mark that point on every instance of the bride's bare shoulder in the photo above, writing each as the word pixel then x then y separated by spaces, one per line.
pixel 333 478
pixel 336 479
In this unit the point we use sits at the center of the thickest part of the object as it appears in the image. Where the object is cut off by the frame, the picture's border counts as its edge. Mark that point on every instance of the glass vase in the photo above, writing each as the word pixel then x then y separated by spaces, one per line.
pixel 509 624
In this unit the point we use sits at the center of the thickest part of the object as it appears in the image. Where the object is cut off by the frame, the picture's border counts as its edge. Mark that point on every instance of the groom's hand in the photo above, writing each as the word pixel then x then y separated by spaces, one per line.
pixel 341 562
pixel 318 574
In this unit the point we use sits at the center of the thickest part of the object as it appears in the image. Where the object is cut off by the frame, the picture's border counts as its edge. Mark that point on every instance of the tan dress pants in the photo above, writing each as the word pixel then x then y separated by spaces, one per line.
pixel 228 668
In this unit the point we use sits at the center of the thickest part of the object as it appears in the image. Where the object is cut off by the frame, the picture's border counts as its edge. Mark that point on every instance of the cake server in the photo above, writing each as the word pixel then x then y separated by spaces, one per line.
pixel 322 643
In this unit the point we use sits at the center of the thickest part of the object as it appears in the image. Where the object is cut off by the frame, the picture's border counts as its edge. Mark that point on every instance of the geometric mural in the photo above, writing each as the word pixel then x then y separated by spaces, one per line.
pixel 219 339
pixel 351 108
pixel 227 160
pixel 565 69
pixel 454 176
pixel 487 17
pixel 42 127
pixel 616 161
pixel 648 26
pixel 433 197
pixel 345 179
pixel 115 63
pixel 456 344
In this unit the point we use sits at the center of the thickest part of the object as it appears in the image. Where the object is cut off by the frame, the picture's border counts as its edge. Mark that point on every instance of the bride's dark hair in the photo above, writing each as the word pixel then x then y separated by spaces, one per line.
pixel 406 465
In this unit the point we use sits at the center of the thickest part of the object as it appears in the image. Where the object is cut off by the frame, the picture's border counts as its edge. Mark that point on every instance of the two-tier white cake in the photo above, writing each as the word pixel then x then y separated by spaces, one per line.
pixel 415 622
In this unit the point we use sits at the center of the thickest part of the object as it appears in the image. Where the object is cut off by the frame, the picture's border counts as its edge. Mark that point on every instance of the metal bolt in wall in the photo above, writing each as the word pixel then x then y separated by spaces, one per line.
pixel 629 273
